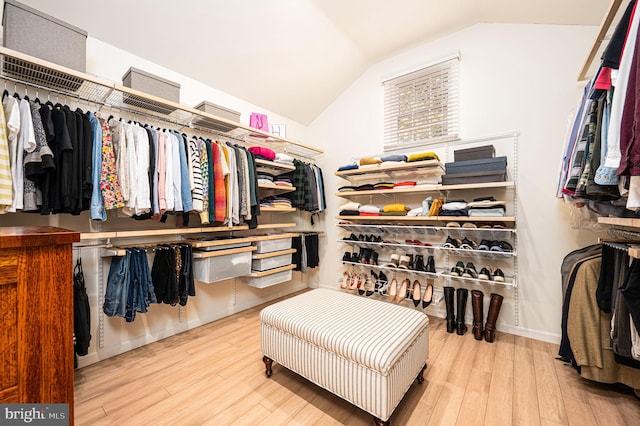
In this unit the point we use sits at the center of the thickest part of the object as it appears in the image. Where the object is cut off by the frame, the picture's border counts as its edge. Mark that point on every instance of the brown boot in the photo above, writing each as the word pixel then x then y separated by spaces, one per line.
pixel 492 317
pixel 477 304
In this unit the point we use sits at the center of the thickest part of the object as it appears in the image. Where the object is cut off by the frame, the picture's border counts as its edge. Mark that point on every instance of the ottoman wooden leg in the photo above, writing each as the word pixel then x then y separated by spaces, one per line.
pixel 380 422
pixel 420 377
pixel 267 363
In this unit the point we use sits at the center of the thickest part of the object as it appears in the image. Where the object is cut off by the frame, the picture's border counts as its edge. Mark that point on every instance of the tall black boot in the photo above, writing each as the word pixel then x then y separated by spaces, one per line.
pixel 461 301
pixel 449 292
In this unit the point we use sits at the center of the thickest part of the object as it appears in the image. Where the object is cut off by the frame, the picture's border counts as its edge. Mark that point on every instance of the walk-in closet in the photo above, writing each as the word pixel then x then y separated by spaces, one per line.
pixel 319 212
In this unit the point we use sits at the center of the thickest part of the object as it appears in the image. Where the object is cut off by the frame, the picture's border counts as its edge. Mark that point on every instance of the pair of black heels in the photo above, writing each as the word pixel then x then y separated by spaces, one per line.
pixel 419 265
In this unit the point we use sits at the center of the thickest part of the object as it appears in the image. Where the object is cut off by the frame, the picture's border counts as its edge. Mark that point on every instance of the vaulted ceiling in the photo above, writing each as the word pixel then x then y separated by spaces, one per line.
pixel 293 57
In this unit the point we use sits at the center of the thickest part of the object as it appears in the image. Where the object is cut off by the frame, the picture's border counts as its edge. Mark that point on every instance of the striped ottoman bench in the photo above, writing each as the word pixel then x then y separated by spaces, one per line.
pixel 366 351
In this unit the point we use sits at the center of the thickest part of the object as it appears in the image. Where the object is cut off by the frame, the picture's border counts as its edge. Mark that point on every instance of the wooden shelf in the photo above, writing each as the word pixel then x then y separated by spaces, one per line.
pixel 391 168
pixel 428 218
pixel 620 221
pixel 204 255
pixel 43 75
pixel 179 231
pixel 272 254
pixel 270 271
pixel 426 188
pixel 277 209
pixel 277 187
pixel 273 167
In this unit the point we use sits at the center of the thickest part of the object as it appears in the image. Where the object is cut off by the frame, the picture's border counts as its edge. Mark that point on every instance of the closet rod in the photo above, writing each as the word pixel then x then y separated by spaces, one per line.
pixel 132 112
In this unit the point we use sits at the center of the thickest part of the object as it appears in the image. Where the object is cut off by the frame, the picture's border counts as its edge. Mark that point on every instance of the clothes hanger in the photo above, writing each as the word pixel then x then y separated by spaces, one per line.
pixel 5 93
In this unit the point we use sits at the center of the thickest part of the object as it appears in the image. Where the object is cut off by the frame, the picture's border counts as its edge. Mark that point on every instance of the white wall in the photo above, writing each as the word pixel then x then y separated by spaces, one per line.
pixel 513 78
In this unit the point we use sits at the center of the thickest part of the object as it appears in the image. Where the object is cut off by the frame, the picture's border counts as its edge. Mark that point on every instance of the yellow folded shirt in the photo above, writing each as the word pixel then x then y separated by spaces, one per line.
pixel 368 160
pixel 423 156
pixel 395 208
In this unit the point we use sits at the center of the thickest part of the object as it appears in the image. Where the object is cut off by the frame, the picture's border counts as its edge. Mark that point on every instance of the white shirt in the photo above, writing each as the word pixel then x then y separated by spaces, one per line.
pixel 132 161
pixel 168 177
pixel 620 81
pixel 143 194
pixel 12 115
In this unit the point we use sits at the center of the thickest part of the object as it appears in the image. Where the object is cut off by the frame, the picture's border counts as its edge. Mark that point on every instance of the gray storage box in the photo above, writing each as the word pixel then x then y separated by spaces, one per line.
pixel 218 268
pixel 30 31
pixel 271 262
pixel 219 111
pixel 476 153
pixel 480 165
pixel 269 280
pixel 475 177
pixel 149 83
pixel 269 246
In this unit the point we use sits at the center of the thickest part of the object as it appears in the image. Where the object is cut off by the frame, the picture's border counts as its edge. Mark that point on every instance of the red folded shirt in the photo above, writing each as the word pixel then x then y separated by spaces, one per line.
pixel 406 183
pixel 369 214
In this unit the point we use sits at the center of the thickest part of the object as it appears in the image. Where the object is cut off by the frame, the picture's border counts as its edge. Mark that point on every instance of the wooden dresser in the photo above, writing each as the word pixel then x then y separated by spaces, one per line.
pixel 36 315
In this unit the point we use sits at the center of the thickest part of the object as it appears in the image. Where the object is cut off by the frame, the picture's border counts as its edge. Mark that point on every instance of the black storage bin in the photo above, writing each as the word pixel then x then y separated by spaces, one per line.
pixel 475 153
pixel 475 177
pixel 480 165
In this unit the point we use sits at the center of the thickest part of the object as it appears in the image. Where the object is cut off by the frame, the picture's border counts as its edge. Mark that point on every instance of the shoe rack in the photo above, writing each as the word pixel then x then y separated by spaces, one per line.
pixel 426 235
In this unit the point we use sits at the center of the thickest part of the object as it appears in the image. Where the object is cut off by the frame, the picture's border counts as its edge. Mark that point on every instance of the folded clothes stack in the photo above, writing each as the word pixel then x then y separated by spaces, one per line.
pixel 383 185
pixel 487 207
pixel 454 208
pixel 265 178
pixel 395 158
pixel 367 161
pixel 283 159
pixel 396 209
pixel 350 209
pixel 263 152
pixel 352 166
pixel 369 210
pixel 405 184
pixel 422 156
pixel 283 181
pixel 274 201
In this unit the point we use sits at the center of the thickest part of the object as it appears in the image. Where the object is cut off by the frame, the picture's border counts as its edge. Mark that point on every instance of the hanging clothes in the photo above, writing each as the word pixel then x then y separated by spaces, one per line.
pixel 81 312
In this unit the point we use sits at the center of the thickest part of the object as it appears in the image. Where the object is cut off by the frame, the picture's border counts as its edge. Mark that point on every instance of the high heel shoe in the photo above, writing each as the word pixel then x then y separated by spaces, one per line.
pixel 384 284
pixel 373 287
pixel 354 282
pixel 345 281
pixel 362 284
pixel 402 292
pixel 428 296
pixel 415 293
pixel 393 290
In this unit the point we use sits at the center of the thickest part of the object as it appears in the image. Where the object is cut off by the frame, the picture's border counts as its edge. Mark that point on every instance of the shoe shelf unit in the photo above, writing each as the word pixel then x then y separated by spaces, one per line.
pixel 425 236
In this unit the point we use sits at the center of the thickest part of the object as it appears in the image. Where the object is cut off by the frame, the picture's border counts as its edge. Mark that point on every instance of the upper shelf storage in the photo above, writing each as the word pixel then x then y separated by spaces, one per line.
pixel 426 188
pixel 46 76
pixel 392 170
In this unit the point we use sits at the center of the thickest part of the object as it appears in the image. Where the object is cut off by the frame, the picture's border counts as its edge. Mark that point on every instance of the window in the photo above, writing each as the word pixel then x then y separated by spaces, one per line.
pixel 422 106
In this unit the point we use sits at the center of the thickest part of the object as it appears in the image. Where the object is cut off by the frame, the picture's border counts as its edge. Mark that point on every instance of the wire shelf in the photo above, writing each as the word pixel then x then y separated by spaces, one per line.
pixel 61 82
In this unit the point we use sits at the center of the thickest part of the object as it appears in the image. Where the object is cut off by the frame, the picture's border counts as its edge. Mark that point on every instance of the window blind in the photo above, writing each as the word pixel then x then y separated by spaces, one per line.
pixel 422 106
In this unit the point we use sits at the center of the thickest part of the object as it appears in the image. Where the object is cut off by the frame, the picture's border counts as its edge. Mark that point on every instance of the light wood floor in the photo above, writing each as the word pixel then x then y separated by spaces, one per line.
pixel 214 375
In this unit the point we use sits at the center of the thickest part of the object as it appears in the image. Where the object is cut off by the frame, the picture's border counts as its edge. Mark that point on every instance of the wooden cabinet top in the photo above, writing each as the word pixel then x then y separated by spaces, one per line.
pixel 30 236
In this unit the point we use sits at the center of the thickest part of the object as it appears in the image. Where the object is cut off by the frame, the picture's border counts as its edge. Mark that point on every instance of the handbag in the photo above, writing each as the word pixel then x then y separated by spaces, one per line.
pixel 259 121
